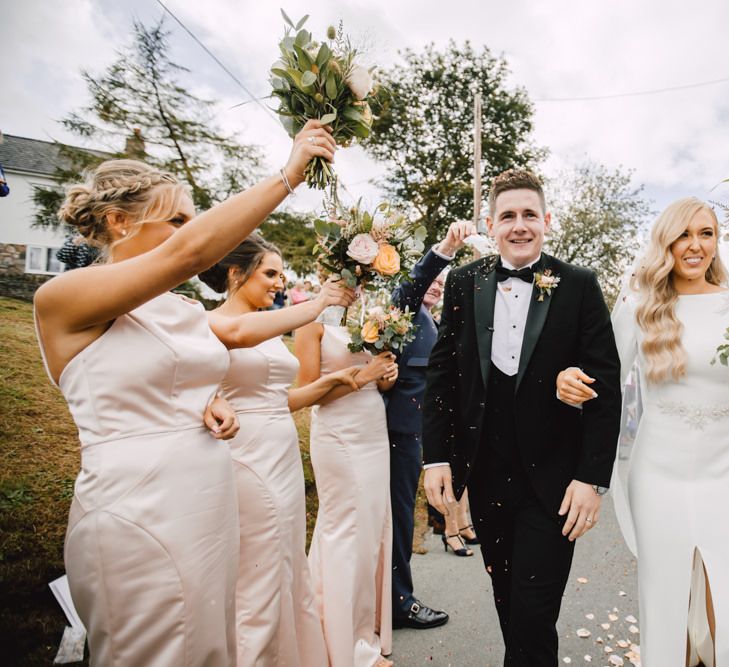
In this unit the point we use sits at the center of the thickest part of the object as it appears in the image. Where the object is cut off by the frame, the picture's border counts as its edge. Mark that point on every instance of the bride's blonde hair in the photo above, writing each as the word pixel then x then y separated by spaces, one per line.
pixel 657 295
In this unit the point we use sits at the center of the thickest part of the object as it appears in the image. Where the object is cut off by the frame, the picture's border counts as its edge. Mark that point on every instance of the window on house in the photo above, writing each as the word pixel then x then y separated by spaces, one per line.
pixel 42 259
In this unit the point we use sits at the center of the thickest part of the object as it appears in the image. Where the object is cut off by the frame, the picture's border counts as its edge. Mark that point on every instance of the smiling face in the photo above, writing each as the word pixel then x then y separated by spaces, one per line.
pixel 259 290
pixel 518 226
pixel 694 250
pixel 435 291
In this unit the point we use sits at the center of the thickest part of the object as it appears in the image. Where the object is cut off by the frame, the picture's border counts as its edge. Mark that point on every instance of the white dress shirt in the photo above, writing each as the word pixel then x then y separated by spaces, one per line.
pixel 511 308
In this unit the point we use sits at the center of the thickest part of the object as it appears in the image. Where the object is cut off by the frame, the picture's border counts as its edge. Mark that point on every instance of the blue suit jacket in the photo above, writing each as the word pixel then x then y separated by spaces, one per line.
pixel 405 399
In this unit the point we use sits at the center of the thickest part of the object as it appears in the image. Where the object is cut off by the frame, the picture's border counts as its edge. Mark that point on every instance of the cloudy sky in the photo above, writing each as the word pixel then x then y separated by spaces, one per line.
pixel 676 141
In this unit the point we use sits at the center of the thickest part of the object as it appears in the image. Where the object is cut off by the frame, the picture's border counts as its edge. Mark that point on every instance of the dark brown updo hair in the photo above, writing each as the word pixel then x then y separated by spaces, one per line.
pixel 139 192
pixel 245 259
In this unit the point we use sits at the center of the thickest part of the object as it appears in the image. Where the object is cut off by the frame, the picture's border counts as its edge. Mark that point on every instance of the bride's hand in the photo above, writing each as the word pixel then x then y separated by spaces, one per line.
pixel 572 386
pixel 334 292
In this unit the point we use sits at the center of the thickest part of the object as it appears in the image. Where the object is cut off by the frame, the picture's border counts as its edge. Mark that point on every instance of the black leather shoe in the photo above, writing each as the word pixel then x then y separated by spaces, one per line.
pixel 420 617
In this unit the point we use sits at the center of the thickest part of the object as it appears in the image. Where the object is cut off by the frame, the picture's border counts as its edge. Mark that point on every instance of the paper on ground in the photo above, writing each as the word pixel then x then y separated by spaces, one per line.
pixel 74 637
pixel 62 593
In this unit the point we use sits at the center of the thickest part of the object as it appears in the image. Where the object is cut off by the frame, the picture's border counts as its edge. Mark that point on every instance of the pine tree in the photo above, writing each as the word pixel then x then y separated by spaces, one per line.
pixel 139 98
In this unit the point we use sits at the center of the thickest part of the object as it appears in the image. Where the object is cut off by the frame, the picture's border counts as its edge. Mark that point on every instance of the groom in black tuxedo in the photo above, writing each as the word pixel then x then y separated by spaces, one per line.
pixel 535 467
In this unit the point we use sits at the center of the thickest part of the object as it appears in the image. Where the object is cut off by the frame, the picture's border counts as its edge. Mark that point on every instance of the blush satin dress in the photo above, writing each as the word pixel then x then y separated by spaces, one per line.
pixel 277 621
pixel 152 542
pixel 351 549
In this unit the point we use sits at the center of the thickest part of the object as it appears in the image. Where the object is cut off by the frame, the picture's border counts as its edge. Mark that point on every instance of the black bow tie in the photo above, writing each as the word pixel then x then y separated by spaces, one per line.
pixel 526 274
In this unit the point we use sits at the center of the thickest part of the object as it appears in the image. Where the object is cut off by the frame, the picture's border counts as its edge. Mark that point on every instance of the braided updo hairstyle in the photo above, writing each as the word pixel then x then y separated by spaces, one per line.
pixel 245 259
pixel 134 189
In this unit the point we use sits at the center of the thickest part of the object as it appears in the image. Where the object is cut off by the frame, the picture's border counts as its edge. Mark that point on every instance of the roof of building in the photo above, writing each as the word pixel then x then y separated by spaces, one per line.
pixel 34 156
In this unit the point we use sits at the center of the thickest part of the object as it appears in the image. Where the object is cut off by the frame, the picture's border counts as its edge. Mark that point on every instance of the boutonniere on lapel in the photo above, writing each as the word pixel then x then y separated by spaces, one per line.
pixel 546 283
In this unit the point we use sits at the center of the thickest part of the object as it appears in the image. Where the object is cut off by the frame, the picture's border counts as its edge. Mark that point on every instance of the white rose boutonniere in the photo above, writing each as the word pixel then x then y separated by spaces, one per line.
pixel 545 283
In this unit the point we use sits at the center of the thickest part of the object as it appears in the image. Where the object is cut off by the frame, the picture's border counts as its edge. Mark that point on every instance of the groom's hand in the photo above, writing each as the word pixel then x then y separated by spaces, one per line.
pixel 438 485
pixel 582 506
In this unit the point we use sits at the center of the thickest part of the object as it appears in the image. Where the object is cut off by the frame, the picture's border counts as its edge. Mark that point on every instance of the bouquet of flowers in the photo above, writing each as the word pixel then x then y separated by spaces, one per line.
pixel 321 80
pixel 382 330
pixel 362 246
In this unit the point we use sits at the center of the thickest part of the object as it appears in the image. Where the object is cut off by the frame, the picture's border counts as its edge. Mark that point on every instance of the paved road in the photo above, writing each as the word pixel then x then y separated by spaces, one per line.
pixel 472 637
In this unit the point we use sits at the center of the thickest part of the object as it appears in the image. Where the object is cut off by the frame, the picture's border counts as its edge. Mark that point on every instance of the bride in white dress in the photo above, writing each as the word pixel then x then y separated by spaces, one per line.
pixel 673 513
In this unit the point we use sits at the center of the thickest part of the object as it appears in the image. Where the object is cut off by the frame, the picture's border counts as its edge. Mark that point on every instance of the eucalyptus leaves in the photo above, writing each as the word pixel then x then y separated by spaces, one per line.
pixel 368 247
pixel 321 80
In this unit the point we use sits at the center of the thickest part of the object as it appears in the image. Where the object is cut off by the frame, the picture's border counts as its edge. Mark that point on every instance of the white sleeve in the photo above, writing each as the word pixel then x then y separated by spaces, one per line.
pixel 435 465
pixel 625 328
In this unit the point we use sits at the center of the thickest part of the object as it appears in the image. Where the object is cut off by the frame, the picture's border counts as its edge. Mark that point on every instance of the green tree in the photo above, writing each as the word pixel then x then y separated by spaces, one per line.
pixel 597 220
pixel 294 235
pixel 140 99
pixel 424 130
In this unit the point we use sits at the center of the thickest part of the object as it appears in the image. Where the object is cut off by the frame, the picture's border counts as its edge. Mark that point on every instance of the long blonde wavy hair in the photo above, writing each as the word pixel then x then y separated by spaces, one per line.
pixel 657 295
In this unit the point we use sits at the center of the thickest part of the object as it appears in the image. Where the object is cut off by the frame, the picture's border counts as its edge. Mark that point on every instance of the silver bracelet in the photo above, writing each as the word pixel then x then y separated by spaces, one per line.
pixel 285 180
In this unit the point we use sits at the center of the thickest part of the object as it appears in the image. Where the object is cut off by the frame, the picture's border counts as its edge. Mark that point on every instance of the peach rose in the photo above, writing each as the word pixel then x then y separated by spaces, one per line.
pixel 370 332
pixel 387 261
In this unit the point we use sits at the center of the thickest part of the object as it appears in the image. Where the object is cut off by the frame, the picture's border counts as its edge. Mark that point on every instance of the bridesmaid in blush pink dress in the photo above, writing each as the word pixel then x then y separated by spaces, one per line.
pixel 277 621
pixel 351 548
pixel 152 542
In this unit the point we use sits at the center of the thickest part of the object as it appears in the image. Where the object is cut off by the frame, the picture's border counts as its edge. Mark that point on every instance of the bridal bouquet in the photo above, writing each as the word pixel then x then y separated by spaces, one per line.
pixel 362 246
pixel 324 81
pixel 382 330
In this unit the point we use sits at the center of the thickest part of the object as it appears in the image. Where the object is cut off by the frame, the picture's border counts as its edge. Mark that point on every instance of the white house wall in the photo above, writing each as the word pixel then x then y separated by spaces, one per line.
pixel 17 213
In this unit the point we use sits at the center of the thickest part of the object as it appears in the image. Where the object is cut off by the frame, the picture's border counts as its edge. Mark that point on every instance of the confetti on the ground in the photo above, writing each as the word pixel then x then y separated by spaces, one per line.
pixel 613 617
pixel 567 660
pixel 599 640
pixel 633 630
pixel 582 580
pixel 631 619
pixel 605 626
pixel 583 632
pixel 611 637
pixel 615 660
pixel 609 649
pixel 622 593
pixel 588 658
pixel 622 643
pixel 589 617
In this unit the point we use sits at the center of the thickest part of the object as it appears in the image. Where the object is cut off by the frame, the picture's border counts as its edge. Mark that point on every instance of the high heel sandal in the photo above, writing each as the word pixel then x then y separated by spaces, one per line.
pixel 463 551
pixel 469 540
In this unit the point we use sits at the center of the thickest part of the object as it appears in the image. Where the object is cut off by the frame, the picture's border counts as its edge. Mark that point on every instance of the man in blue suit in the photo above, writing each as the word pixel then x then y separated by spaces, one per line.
pixel 405 422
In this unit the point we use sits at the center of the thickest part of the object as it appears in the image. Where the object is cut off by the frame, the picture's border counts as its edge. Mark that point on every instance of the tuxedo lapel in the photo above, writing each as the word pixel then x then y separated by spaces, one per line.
pixel 536 317
pixel 484 295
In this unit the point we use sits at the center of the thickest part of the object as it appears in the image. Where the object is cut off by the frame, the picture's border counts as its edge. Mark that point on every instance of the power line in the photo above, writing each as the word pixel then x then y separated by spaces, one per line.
pixel 219 62
pixel 654 91
pixel 233 76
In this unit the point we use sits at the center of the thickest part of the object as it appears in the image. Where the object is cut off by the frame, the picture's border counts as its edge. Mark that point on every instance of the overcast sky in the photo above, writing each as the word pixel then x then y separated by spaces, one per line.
pixel 676 141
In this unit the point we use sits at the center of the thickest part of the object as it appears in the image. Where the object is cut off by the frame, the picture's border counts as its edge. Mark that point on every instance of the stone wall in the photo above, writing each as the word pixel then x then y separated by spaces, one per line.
pixel 14 281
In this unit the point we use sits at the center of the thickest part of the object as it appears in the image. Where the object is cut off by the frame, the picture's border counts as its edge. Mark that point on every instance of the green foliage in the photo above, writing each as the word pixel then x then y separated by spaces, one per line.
pixel 141 92
pixel 722 351
pixel 294 235
pixel 311 80
pixel 423 129
pixel 597 216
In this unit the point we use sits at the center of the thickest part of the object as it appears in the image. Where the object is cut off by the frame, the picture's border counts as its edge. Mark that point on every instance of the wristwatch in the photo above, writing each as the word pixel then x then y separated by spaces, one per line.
pixel 600 490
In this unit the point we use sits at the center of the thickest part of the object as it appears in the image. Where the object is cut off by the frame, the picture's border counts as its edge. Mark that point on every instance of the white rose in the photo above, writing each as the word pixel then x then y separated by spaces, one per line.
pixel 363 249
pixel 360 82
